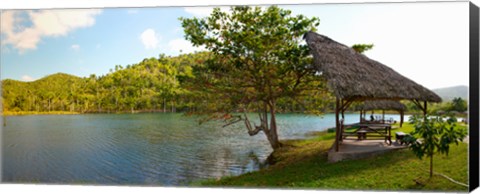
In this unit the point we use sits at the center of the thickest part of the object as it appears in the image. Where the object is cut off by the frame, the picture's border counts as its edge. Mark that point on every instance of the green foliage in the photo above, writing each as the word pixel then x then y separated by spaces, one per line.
pixel 432 135
pixel 361 48
pixel 458 104
pixel 257 61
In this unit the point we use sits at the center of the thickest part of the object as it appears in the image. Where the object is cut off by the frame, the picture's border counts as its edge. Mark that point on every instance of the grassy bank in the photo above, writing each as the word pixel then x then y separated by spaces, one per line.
pixel 303 164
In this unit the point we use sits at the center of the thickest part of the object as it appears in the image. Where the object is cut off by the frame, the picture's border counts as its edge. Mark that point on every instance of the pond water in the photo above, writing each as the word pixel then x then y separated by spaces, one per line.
pixel 138 149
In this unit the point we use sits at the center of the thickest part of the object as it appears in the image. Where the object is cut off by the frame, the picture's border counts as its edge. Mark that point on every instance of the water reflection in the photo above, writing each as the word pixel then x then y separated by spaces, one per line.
pixel 140 149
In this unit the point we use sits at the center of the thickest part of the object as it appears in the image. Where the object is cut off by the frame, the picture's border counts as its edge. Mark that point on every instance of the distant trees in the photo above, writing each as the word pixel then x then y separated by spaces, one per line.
pixel 458 104
pixel 145 86
pixel 361 48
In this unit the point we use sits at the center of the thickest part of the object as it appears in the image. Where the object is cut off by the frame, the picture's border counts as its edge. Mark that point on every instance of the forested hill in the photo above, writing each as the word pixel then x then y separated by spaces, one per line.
pixel 19 95
pixel 154 84
pixel 449 93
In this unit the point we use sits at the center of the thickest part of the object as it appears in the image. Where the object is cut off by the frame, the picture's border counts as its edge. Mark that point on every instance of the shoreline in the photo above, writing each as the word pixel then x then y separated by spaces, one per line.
pixel 20 113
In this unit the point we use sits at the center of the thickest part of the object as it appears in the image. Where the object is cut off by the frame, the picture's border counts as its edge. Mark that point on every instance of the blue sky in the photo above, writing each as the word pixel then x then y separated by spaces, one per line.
pixel 426 42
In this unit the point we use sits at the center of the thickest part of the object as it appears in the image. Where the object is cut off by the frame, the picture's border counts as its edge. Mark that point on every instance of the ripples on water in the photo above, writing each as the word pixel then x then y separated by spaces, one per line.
pixel 145 149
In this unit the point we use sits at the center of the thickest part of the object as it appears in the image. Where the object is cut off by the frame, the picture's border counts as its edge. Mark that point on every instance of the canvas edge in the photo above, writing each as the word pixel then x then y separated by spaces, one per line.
pixel 474 98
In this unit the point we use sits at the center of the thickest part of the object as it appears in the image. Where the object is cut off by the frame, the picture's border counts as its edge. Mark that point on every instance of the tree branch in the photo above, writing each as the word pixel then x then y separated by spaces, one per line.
pixel 252 131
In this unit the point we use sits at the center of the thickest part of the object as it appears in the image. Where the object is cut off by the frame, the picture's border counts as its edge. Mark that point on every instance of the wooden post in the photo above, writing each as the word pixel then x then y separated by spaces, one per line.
pixel 424 108
pixel 383 116
pixel 401 118
pixel 337 124
pixel 360 116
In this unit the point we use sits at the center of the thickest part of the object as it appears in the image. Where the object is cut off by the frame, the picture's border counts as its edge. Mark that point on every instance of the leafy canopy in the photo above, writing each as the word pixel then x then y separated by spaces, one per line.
pixel 257 55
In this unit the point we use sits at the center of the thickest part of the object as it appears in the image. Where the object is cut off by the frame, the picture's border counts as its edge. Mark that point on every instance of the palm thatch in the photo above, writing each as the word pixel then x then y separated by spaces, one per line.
pixel 382 105
pixel 351 75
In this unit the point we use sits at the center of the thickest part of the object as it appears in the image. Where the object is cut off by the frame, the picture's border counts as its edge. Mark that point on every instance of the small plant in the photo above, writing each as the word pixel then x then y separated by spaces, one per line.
pixel 433 134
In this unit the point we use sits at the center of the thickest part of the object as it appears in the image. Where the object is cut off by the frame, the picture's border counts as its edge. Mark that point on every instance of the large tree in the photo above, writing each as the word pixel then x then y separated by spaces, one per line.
pixel 257 59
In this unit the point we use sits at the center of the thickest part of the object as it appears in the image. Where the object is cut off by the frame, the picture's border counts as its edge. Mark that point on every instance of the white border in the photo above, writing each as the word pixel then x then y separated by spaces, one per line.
pixel 47 4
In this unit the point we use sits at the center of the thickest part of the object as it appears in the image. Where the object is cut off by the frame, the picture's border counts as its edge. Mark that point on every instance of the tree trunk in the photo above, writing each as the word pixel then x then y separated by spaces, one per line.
pixel 431 166
pixel 272 132
pixel 164 106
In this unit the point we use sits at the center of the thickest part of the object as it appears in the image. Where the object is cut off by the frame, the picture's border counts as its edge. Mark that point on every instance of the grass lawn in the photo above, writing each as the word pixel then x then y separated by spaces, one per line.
pixel 303 164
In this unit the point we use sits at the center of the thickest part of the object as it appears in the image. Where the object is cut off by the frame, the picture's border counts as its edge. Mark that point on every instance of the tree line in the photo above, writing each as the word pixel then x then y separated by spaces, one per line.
pixel 163 84
pixel 154 84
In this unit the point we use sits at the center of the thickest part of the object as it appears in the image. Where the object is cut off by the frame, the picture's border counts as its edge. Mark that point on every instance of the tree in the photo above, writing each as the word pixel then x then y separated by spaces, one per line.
pixel 432 135
pixel 361 48
pixel 458 104
pixel 257 60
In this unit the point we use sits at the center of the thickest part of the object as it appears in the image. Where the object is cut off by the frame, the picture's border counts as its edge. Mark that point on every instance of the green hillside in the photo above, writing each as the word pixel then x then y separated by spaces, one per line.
pixel 449 93
pixel 154 84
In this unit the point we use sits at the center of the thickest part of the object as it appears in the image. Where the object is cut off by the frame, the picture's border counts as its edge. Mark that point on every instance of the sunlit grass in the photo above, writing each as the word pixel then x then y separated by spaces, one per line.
pixel 303 164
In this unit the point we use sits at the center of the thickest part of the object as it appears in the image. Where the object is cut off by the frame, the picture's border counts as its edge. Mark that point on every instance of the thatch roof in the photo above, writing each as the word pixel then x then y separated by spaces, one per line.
pixel 350 74
pixel 382 105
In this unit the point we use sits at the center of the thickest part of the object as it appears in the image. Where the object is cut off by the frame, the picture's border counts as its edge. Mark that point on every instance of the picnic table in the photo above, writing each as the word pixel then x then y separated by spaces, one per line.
pixel 372 130
pixel 377 130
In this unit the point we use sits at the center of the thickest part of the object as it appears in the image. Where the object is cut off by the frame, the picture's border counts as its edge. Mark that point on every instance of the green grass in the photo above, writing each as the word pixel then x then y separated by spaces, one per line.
pixel 303 164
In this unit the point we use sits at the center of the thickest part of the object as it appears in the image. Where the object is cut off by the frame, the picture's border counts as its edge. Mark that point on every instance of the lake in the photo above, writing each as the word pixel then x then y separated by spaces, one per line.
pixel 139 149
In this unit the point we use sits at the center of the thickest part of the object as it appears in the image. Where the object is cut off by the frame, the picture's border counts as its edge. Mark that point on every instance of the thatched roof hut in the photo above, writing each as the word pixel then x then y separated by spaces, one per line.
pixel 350 74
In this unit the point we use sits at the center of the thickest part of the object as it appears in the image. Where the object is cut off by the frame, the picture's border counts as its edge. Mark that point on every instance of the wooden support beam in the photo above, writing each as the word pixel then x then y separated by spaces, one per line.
pixel 346 104
pixel 424 108
pixel 401 118
pixel 383 116
pixel 337 124
pixel 360 121
pixel 419 105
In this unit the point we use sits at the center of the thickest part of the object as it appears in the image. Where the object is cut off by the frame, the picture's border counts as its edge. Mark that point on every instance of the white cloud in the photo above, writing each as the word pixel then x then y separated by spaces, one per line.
pixel 183 45
pixel 75 47
pixel 45 23
pixel 27 78
pixel 149 39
